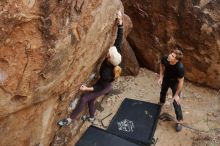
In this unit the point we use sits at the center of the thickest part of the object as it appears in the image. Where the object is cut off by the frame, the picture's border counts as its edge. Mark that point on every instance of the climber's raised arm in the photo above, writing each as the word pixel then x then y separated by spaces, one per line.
pixel 119 37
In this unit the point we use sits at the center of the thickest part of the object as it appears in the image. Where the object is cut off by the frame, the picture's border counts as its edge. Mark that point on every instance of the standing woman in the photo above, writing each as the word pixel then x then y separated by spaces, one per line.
pixel 108 72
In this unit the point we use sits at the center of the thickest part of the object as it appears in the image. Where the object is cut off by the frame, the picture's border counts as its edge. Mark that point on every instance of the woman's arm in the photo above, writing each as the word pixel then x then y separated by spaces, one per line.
pixel 119 37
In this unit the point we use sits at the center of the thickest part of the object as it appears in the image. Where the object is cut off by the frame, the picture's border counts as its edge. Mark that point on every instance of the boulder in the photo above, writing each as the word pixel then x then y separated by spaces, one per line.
pixel 191 24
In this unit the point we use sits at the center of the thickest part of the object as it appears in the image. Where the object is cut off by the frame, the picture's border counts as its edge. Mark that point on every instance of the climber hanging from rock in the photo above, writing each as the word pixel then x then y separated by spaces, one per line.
pixel 108 71
pixel 172 75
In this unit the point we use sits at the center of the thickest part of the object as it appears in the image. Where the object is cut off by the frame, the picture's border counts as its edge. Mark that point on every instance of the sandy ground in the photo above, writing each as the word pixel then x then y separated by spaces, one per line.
pixel 201 110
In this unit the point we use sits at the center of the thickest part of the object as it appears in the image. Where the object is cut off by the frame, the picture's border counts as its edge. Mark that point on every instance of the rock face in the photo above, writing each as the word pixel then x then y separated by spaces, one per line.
pixel 194 25
pixel 129 63
pixel 47 51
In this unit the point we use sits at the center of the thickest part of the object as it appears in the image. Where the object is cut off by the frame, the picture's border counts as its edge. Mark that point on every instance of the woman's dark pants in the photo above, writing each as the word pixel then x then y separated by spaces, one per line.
pixel 90 99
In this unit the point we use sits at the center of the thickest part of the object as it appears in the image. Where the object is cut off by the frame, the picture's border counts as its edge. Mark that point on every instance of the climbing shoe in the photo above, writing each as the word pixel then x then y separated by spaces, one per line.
pixel 64 122
pixel 91 119
pixel 87 118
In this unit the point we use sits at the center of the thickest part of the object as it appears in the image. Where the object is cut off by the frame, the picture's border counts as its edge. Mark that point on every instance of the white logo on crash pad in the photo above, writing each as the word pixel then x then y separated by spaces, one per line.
pixel 126 125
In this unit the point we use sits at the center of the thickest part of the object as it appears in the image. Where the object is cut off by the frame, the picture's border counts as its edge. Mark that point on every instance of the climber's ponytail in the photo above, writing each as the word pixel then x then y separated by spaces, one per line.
pixel 117 71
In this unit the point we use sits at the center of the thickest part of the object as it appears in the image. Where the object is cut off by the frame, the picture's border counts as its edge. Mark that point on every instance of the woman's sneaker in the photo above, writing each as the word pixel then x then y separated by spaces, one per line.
pixel 91 119
pixel 85 117
pixel 88 118
pixel 65 122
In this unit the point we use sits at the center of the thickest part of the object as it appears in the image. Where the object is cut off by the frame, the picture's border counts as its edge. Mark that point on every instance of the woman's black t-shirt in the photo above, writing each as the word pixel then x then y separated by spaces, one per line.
pixel 106 71
pixel 106 75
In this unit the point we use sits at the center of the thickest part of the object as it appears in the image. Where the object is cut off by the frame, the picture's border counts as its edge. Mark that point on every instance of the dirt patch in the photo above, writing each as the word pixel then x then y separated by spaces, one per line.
pixel 208 139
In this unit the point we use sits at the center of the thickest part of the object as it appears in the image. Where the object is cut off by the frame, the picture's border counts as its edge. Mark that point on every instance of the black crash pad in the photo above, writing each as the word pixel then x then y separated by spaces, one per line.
pixel 97 137
pixel 135 121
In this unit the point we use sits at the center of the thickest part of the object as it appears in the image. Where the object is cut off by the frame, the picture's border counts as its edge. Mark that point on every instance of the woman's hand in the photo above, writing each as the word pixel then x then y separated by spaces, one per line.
pixel 83 88
pixel 119 17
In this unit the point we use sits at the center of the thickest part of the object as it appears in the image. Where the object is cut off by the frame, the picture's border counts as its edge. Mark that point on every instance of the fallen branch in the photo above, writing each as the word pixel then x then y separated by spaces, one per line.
pixel 104 119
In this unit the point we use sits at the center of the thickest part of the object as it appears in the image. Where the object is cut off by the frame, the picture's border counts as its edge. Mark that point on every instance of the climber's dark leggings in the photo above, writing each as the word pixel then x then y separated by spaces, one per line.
pixel 90 98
